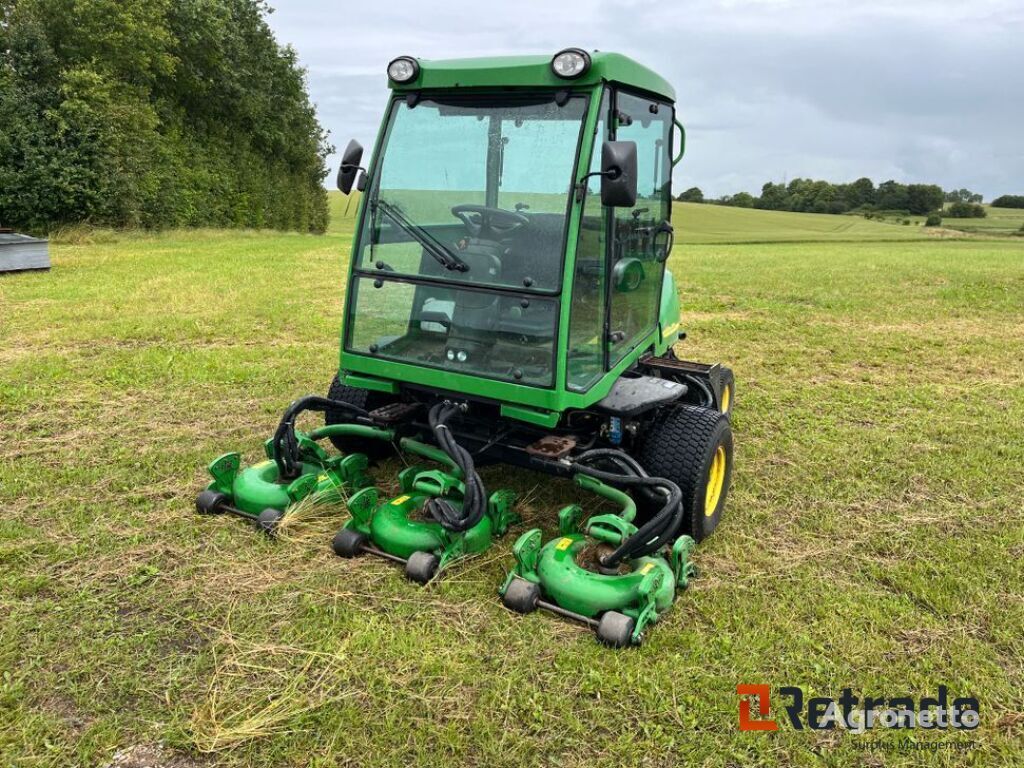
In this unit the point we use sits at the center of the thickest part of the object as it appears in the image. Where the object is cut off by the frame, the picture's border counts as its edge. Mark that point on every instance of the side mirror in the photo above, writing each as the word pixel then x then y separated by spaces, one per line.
pixel 349 166
pixel 618 174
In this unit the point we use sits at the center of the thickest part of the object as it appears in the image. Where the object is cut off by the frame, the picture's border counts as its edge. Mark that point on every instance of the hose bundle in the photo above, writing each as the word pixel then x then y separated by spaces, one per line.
pixel 474 502
pixel 286 445
pixel 663 527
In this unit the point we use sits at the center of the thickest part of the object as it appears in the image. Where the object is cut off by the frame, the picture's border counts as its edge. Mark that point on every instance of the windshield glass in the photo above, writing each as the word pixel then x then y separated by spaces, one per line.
pixel 474 190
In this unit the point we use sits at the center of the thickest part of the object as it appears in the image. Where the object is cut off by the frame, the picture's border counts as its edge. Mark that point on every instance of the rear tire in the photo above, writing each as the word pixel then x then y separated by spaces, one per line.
pixel 692 447
pixel 727 396
pixel 368 401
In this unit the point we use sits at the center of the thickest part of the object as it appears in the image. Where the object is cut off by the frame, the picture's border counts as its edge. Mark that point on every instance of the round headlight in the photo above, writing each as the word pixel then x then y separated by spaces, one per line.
pixel 570 63
pixel 404 69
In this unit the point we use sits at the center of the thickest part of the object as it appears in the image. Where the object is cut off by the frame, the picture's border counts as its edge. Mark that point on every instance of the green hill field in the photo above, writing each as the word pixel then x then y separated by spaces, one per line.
pixel 999 221
pixel 710 224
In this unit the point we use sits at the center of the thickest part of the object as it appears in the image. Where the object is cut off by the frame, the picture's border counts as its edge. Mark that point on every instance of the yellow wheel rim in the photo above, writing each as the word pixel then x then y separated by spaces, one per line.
pixel 726 398
pixel 716 481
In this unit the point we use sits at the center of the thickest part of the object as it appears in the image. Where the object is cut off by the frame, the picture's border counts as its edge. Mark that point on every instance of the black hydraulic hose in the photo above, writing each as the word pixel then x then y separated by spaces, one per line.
pixel 709 399
pixel 286 444
pixel 474 502
pixel 663 527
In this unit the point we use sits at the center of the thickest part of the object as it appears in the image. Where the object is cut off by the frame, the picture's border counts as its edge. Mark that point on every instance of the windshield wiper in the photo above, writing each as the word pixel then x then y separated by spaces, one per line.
pixel 440 254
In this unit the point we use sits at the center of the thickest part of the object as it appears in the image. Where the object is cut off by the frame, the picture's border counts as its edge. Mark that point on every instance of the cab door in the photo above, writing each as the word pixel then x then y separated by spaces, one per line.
pixel 635 268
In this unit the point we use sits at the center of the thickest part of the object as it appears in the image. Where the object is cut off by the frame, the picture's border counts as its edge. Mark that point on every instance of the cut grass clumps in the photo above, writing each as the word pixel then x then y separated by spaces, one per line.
pixel 873 537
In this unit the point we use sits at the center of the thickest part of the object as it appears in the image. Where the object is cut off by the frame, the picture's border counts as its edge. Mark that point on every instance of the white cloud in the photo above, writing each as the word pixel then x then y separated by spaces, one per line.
pixel 920 90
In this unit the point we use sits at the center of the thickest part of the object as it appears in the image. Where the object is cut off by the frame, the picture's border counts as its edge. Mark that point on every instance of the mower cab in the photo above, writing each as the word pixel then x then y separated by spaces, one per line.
pixel 508 301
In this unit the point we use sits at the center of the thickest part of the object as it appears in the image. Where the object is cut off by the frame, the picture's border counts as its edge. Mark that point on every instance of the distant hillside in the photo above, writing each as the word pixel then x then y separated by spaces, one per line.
pixel 998 221
pixel 695 223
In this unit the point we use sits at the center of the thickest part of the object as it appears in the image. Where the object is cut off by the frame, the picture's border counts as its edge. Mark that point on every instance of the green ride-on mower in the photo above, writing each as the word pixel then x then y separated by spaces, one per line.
pixel 508 303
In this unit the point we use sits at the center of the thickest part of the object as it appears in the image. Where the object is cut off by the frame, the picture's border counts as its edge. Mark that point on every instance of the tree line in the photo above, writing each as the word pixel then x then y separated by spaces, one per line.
pixel 1008 201
pixel 154 113
pixel 860 196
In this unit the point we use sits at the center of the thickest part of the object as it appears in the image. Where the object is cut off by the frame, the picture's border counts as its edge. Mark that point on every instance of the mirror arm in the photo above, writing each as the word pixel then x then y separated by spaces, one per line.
pixel 581 188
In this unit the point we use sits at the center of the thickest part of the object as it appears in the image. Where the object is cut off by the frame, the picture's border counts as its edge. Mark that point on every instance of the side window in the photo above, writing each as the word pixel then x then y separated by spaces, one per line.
pixel 586 320
pixel 636 272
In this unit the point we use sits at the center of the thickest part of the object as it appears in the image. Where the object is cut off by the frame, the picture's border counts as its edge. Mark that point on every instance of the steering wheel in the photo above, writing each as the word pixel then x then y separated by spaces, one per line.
pixel 489 223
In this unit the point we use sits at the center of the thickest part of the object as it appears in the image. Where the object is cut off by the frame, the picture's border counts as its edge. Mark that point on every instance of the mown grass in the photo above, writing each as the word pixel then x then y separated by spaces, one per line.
pixel 873 539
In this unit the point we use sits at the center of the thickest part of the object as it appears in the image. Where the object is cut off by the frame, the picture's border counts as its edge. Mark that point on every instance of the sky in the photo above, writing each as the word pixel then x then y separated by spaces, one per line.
pixel 769 90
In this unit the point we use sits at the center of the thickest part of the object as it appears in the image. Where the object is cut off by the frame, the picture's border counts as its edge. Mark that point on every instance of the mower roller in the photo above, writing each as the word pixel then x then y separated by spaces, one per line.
pixel 508 301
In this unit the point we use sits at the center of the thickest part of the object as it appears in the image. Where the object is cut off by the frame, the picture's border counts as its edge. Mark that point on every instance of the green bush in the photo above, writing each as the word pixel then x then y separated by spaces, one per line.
pixel 154 113
pixel 933 220
pixel 966 211
pixel 692 195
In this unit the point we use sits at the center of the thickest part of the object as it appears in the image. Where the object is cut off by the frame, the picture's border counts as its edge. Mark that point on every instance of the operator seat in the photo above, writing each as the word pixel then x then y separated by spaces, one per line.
pixel 534 252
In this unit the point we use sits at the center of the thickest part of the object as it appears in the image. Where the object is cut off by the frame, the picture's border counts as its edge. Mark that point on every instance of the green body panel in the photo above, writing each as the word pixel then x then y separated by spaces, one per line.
pixel 400 527
pixel 547 419
pixel 534 72
pixel 668 316
pixel 557 399
pixel 370 382
pixel 535 405
pixel 256 488
pixel 591 594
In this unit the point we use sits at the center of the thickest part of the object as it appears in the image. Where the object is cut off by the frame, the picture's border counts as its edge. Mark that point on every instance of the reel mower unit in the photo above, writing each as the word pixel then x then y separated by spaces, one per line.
pixel 403 530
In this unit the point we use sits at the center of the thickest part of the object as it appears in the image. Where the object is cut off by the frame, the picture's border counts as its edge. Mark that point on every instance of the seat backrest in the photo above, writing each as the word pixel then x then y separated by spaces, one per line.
pixel 535 251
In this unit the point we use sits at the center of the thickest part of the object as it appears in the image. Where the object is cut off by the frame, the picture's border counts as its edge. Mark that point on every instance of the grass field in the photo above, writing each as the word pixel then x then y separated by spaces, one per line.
pixel 873 540
pixel 999 221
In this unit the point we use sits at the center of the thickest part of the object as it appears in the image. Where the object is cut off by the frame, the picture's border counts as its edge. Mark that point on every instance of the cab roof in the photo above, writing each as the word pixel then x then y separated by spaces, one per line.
pixel 533 71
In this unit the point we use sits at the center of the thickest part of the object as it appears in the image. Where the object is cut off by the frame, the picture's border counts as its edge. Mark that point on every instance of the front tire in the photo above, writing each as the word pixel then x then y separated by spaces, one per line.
pixel 368 401
pixel 692 447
